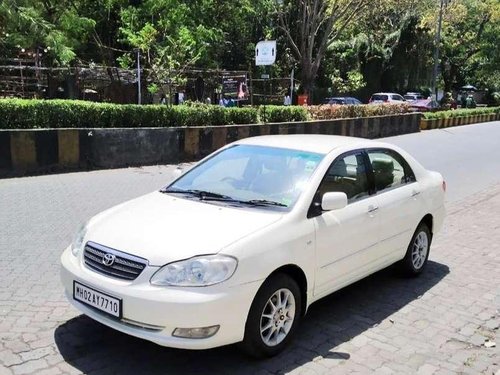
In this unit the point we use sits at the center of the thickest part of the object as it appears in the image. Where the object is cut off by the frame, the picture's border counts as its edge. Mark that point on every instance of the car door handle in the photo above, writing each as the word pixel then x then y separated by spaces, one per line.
pixel 372 209
pixel 415 193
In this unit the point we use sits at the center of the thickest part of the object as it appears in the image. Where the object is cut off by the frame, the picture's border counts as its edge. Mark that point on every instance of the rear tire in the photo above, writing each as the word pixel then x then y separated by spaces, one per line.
pixel 273 318
pixel 417 253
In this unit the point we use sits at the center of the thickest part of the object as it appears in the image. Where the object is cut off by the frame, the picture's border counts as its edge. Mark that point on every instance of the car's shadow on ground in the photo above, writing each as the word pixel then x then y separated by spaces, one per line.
pixel 90 346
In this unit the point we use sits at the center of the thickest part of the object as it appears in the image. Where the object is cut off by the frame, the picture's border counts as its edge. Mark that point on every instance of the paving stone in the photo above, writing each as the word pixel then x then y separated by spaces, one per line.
pixel 29 367
pixel 427 369
pixel 7 358
pixel 493 324
pixel 50 371
pixel 477 339
pixel 37 353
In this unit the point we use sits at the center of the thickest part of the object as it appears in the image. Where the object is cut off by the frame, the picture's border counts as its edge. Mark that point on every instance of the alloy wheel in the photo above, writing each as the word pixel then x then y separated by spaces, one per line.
pixel 277 317
pixel 419 250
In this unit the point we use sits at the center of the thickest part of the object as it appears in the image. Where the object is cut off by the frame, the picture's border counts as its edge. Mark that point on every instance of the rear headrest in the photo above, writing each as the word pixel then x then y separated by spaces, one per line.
pixel 383 166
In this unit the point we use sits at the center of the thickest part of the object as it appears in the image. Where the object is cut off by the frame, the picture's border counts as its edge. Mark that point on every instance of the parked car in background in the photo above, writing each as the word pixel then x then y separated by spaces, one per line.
pixel 342 100
pixel 424 105
pixel 411 96
pixel 237 248
pixel 386 97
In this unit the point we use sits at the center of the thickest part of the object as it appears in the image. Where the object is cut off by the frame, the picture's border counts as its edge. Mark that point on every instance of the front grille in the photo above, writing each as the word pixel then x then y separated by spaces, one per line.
pixel 124 266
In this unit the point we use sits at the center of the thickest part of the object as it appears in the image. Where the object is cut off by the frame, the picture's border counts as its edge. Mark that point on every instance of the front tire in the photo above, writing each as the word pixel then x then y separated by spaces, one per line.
pixel 273 318
pixel 418 251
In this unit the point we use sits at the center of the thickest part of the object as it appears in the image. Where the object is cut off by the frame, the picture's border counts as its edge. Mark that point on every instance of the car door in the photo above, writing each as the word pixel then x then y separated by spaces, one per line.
pixel 398 199
pixel 346 239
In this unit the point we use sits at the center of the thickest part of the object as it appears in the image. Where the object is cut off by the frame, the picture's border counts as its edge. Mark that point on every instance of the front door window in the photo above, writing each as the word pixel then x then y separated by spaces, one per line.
pixel 347 174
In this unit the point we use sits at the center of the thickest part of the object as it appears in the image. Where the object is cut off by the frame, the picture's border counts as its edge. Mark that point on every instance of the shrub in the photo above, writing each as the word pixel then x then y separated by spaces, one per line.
pixel 31 114
pixel 328 112
pixel 275 113
pixel 460 113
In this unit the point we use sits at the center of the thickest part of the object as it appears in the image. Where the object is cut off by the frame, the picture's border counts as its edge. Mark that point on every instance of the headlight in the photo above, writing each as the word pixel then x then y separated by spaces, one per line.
pixel 198 271
pixel 77 244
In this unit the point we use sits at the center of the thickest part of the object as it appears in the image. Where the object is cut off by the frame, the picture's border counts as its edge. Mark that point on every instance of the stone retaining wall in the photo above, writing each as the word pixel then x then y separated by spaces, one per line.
pixel 37 151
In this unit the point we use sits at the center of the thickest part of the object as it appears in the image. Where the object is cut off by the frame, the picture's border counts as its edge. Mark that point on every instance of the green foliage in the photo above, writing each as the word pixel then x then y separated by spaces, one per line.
pixel 469 43
pixel 493 98
pixel 33 114
pixel 387 45
pixel 461 113
pixel 328 112
pixel 58 27
pixel 352 82
pixel 275 113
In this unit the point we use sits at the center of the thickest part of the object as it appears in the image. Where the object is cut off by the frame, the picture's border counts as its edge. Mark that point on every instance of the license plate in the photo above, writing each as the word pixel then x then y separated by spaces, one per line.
pixel 99 300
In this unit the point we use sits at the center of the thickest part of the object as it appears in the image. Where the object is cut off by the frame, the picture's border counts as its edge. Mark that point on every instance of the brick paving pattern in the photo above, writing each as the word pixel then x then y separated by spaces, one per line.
pixel 440 323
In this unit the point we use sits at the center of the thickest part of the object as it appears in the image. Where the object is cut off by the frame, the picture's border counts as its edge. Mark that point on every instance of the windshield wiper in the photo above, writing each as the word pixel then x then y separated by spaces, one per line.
pixel 210 196
pixel 264 202
pixel 202 194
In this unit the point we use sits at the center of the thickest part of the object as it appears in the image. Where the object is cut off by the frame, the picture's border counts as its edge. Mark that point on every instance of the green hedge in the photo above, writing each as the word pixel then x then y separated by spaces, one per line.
pixel 30 114
pixel 460 113
pixel 278 113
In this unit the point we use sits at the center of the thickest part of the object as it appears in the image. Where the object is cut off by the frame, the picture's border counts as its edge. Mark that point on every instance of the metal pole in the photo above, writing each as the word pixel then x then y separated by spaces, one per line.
pixel 138 76
pixel 251 86
pixel 436 51
pixel 291 86
pixel 265 95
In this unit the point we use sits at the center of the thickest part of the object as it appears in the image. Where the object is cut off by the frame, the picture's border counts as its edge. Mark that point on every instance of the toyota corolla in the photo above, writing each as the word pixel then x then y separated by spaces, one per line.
pixel 236 249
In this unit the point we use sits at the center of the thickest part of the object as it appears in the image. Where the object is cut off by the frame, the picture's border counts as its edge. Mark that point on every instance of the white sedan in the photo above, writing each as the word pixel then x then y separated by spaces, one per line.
pixel 237 248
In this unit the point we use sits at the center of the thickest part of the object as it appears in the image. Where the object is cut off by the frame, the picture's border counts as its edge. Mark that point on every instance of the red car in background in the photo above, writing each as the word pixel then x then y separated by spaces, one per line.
pixel 424 105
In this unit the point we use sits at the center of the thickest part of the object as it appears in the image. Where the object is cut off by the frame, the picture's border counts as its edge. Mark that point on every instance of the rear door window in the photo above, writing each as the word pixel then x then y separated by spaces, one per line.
pixel 389 169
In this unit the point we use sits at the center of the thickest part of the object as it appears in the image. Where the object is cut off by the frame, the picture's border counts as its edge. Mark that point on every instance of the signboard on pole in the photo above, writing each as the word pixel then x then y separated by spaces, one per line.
pixel 235 87
pixel 265 52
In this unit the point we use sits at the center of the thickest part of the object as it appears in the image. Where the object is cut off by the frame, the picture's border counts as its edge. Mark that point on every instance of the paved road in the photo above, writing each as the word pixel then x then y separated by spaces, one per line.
pixel 436 324
pixel 467 156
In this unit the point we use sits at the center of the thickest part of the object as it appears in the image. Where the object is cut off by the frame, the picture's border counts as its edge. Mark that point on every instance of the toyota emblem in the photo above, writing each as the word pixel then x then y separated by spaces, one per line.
pixel 108 259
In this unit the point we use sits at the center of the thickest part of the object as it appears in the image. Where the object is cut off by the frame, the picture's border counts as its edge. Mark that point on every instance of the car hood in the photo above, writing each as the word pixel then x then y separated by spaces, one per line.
pixel 163 228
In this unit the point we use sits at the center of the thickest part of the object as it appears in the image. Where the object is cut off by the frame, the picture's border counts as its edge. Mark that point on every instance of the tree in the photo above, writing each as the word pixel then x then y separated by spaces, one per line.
pixel 54 25
pixel 311 26
pixel 169 38
pixel 469 43
pixel 389 46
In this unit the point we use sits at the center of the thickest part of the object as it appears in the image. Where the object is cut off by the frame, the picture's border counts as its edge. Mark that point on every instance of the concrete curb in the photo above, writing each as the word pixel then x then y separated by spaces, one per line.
pixel 457 121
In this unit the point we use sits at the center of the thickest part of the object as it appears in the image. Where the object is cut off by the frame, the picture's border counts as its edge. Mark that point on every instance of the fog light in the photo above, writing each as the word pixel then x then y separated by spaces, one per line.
pixel 195 333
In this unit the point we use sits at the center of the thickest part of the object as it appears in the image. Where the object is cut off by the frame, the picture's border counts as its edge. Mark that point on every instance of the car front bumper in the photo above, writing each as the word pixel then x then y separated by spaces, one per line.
pixel 153 313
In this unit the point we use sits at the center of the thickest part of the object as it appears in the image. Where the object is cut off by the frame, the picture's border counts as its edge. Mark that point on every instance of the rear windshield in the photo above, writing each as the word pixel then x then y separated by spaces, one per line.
pixel 337 101
pixel 380 97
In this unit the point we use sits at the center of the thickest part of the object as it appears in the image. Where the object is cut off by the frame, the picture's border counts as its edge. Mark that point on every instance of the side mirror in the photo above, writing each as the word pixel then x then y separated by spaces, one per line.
pixel 333 201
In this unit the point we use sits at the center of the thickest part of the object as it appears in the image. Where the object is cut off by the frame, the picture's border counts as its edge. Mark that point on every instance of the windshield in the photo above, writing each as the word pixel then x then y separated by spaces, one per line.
pixel 252 173
pixel 380 97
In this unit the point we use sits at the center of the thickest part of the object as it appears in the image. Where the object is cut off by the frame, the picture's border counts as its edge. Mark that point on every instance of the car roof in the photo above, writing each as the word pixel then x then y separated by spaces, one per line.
pixel 308 142
pixel 340 97
pixel 386 93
